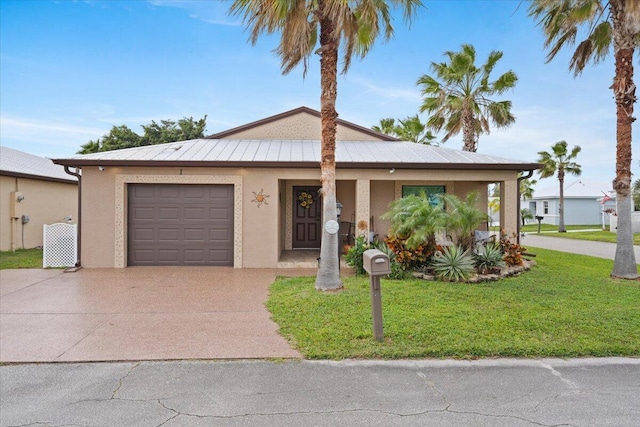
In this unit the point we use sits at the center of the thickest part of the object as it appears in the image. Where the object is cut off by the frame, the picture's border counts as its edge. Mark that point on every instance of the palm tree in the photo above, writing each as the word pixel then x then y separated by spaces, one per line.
pixel 526 188
pixel 607 23
pixel 410 129
pixel 458 96
pixel 416 219
pixel 559 162
pixel 356 24
pixel 464 217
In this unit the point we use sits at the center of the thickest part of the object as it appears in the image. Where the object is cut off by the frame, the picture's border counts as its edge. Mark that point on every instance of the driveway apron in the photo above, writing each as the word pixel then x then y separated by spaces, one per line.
pixel 137 313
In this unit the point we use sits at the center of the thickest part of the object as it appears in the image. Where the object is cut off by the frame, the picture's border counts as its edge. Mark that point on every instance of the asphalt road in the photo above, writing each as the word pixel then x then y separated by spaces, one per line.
pixel 583 247
pixel 547 392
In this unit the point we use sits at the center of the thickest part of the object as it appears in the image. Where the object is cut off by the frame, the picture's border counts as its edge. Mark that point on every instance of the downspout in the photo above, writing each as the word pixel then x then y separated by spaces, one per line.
pixel 518 213
pixel 79 177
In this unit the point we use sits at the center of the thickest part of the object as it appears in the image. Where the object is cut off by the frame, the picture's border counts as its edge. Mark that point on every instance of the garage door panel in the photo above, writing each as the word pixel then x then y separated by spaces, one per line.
pixel 220 234
pixel 144 234
pixel 219 213
pixel 194 256
pixel 219 255
pixel 180 224
pixel 168 213
pixel 195 213
pixel 168 235
pixel 168 191
pixel 143 213
pixel 194 234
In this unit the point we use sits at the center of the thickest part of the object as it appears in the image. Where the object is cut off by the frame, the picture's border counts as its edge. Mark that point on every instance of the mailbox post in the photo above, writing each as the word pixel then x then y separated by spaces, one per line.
pixel 539 219
pixel 376 263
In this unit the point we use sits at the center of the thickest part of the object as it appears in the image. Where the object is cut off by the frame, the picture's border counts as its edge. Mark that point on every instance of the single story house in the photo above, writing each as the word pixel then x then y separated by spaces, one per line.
pixel 246 196
pixel 34 191
pixel 582 202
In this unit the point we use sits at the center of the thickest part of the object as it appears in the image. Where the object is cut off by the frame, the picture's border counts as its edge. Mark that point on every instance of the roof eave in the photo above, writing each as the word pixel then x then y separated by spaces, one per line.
pixel 297 165
pixel 38 177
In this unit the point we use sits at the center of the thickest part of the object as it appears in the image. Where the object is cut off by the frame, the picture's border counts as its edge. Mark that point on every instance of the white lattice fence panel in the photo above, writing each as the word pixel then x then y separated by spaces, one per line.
pixel 60 247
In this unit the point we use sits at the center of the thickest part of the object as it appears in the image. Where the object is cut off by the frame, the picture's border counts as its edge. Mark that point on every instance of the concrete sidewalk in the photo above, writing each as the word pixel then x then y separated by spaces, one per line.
pixel 583 247
pixel 503 392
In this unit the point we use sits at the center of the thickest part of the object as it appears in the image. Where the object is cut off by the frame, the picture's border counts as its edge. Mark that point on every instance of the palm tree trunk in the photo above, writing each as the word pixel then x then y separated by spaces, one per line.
pixel 468 133
pixel 624 264
pixel 328 277
pixel 561 227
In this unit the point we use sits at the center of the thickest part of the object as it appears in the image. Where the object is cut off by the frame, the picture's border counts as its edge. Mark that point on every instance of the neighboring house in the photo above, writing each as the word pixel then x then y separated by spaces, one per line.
pixel 34 192
pixel 582 202
pixel 244 196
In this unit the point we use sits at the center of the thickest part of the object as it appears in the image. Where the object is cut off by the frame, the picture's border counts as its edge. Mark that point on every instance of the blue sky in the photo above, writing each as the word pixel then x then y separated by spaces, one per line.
pixel 70 70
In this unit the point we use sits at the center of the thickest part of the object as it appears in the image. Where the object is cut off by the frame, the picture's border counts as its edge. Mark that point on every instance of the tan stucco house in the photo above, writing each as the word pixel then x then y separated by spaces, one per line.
pixel 246 196
pixel 34 192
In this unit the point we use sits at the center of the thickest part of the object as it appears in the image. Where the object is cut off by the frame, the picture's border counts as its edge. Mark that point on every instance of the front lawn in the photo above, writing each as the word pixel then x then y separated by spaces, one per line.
pixel 21 258
pixel 566 306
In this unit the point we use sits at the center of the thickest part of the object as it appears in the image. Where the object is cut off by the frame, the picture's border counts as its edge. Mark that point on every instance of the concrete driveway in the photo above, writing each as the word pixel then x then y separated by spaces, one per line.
pixel 143 313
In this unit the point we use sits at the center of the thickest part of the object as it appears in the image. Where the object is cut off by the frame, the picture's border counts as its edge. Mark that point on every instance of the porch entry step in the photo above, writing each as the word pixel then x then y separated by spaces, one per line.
pixel 303 258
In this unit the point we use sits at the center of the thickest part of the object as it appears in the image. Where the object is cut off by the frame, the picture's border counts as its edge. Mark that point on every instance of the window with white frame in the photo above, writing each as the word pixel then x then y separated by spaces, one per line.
pixel 545 207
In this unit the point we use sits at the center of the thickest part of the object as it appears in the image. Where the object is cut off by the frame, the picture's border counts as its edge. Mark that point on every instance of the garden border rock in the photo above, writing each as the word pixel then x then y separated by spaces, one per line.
pixel 479 278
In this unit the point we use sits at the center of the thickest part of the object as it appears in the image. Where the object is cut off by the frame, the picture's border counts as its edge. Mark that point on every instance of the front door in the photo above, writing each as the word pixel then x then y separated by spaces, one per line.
pixel 307 209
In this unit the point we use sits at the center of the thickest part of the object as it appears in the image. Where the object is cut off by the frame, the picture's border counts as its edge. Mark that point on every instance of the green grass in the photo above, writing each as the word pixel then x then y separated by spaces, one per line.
pixel 21 258
pixel 595 236
pixel 550 227
pixel 566 306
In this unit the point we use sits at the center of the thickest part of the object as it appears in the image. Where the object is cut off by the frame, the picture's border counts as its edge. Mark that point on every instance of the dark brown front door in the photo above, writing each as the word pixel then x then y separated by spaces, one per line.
pixel 307 209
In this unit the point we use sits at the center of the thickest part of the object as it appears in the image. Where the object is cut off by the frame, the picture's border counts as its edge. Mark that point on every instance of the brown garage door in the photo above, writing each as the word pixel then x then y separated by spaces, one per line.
pixel 180 224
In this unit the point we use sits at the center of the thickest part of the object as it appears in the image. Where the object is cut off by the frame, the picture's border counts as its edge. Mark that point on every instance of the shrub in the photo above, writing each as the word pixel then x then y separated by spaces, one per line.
pixel 488 257
pixel 511 252
pixel 452 263
pixel 411 258
pixel 353 257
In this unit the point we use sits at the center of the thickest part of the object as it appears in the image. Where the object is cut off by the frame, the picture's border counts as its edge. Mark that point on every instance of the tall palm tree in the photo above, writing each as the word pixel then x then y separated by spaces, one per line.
pixel 458 97
pixel 606 23
pixel 351 26
pixel 559 162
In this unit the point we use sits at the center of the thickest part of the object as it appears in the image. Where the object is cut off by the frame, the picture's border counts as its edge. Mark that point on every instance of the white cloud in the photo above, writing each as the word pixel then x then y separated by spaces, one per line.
pixel 387 93
pixel 15 131
pixel 209 12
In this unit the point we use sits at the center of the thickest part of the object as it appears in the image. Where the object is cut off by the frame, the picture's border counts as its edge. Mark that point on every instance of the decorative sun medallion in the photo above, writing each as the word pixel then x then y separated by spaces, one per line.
pixel 305 200
pixel 260 198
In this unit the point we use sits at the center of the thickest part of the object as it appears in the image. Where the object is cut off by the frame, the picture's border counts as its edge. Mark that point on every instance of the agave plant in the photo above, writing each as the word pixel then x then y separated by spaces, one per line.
pixel 453 263
pixel 488 257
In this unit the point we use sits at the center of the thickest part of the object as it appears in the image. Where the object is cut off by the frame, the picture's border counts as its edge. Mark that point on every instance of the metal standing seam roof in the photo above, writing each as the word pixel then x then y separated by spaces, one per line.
pixel 19 163
pixel 296 153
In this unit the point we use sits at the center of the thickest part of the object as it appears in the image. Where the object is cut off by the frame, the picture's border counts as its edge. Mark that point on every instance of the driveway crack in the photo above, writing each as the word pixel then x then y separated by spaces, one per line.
pixel 121 380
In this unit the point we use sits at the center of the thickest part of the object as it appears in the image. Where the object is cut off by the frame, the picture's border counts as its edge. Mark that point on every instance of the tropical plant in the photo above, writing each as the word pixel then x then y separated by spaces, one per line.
pixel 511 252
pixel 415 219
pixel 458 96
pixel 559 162
pixel 353 257
pixel 636 195
pixel 410 129
pixel 410 257
pixel 488 257
pixel 463 218
pixel 353 25
pixel 452 263
pixel 122 136
pixel 525 214
pixel 397 272
pixel 607 23
pixel 526 188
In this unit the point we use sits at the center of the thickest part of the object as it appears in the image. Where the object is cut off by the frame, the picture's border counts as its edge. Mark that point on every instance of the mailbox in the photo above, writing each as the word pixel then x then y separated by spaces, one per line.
pixel 376 262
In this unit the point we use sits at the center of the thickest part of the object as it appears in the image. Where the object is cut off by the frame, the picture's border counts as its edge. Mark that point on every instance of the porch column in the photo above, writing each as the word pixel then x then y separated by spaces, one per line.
pixel 509 206
pixel 363 208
